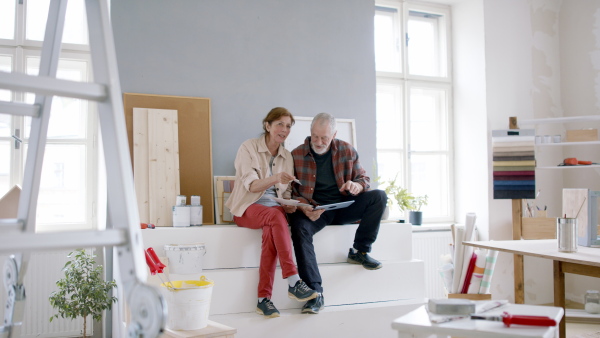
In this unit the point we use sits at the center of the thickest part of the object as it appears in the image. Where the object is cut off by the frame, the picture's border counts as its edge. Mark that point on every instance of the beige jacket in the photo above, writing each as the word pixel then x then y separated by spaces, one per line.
pixel 252 163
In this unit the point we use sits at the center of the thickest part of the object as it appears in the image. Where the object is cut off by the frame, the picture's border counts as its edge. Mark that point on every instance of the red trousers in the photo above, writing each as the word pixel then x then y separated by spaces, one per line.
pixel 276 241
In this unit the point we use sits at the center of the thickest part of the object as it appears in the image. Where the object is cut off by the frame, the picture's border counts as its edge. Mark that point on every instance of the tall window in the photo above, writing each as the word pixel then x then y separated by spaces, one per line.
pixel 414 93
pixel 68 182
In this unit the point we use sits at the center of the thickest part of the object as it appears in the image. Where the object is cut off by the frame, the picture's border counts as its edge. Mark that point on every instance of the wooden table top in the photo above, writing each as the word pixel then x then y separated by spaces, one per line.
pixel 544 248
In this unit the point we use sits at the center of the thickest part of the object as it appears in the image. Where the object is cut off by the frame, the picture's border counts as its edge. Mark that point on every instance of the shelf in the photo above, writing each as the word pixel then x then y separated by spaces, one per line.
pixel 560 120
pixel 567 144
pixel 571 167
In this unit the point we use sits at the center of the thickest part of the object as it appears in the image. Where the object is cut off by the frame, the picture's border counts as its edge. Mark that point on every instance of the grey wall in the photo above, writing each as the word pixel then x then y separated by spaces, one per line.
pixel 247 56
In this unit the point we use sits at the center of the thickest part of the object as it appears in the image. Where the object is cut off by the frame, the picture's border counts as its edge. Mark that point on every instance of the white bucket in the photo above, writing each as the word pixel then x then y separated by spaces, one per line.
pixel 188 307
pixel 185 258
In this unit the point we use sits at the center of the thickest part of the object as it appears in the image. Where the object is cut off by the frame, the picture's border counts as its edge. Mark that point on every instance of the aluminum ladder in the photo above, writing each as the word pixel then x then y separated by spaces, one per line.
pixel 18 238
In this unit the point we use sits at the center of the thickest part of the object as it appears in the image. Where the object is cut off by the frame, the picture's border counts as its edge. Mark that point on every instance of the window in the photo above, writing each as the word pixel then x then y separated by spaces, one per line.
pixel 68 182
pixel 414 90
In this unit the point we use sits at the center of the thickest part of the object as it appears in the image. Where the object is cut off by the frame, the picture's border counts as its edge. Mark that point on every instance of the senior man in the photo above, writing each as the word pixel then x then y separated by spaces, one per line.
pixel 330 172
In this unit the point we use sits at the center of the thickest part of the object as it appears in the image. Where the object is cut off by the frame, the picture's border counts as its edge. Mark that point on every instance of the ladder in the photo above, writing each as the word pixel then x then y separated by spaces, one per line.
pixel 18 238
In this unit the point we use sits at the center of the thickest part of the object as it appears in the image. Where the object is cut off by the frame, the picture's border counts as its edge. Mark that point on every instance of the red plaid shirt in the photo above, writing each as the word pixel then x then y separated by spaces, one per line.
pixel 346 167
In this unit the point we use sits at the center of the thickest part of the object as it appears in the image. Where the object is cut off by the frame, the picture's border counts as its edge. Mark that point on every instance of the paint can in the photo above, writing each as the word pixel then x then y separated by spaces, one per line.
pixel 181 216
pixel 195 215
pixel 185 258
pixel 180 200
pixel 188 305
pixel 195 200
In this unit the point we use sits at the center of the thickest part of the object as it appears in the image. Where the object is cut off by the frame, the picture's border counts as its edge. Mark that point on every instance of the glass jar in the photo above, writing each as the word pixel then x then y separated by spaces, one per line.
pixel 592 301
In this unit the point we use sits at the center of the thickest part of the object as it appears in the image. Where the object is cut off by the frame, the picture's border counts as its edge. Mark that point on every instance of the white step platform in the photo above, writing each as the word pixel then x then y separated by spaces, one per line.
pixel 233 254
pixel 373 320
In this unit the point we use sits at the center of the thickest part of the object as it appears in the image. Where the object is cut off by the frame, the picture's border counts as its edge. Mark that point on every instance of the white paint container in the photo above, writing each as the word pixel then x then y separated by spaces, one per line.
pixel 185 258
pixel 180 200
pixel 181 216
pixel 189 306
pixel 195 200
pixel 195 215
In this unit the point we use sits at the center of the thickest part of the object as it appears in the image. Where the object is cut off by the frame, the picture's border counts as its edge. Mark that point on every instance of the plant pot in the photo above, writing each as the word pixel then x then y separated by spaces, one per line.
pixel 415 217
pixel 386 213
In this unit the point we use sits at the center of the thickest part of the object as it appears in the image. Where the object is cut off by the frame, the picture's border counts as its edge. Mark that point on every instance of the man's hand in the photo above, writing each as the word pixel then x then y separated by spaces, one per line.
pixel 352 188
pixel 312 214
pixel 289 208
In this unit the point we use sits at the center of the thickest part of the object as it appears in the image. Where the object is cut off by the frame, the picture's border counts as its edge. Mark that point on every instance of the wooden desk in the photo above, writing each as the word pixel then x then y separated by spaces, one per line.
pixel 417 324
pixel 586 261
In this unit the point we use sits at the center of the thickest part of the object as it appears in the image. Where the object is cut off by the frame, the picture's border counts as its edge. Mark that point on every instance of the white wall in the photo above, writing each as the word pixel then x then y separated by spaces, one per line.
pixel 470 117
pixel 528 46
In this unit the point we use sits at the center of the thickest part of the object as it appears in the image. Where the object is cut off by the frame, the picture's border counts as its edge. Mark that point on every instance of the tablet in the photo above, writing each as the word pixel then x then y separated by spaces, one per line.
pixel 334 205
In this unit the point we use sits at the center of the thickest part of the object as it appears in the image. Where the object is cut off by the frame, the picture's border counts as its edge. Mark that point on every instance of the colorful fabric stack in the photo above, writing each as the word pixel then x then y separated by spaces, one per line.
pixel 514 163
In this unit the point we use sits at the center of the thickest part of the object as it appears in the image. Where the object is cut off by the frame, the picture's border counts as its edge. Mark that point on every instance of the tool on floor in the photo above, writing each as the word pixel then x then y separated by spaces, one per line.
pixel 509 319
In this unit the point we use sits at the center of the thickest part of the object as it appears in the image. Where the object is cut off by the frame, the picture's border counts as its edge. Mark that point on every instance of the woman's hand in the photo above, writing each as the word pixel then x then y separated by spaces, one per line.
pixel 284 178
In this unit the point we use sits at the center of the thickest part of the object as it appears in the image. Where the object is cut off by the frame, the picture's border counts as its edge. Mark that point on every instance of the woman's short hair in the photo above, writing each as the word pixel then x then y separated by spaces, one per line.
pixel 274 115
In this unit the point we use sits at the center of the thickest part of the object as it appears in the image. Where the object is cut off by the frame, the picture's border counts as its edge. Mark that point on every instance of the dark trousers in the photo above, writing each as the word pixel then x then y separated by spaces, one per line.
pixel 368 207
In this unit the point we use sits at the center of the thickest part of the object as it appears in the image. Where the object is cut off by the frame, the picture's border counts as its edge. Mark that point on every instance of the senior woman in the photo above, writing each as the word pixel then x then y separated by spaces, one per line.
pixel 263 170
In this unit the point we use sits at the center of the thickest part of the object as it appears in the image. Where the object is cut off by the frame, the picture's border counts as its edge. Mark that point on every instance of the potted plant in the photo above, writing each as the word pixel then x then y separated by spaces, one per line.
pixel 401 196
pixel 83 291
pixel 416 215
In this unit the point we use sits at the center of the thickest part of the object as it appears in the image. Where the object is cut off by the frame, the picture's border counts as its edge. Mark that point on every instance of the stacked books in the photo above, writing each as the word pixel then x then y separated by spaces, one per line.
pixel 514 163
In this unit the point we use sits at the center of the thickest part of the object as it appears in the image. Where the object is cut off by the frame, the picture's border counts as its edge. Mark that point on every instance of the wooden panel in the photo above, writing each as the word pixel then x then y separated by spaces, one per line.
pixel 538 228
pixel 223 189
pixel 517 212
pixel 195 147
pixel 163 167
pixel 475 296
pixel 140 161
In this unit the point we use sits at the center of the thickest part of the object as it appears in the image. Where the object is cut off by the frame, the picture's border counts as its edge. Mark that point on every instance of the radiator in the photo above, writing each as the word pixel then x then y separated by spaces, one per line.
pixel 428 246
pixel 40 280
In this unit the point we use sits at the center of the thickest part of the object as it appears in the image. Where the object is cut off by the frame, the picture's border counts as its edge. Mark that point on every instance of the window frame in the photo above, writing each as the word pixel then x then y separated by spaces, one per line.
pixel 19 49
pixel 406 81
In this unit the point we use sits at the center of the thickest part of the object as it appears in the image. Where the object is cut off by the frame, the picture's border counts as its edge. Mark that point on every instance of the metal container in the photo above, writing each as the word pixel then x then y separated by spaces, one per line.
pixel 566 232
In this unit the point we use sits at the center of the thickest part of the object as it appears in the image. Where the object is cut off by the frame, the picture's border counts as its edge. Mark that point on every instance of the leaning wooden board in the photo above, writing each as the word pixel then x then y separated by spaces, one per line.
pixel 155 163
pixel 195 147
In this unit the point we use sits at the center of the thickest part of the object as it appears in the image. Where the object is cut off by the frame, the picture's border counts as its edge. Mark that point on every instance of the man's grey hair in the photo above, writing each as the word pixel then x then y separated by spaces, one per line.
pixel 323 118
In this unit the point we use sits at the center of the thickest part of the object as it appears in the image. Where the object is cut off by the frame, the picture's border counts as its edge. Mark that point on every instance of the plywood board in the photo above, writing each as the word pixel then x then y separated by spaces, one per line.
pixel 195 147
pixel 163 165
pixel 140 162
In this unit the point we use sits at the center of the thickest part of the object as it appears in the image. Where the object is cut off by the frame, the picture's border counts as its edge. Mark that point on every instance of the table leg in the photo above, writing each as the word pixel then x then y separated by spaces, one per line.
pixel 559 295
pixel 519 279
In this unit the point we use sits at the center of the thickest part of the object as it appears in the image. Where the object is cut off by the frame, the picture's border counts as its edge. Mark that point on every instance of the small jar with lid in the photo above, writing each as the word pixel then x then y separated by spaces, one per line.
pixel 592 301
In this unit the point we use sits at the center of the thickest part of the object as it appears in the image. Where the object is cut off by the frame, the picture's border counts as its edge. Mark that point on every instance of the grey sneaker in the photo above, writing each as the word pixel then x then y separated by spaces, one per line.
pixel 267 308
pixel 363 258
pixel 301 292
pixel 315 305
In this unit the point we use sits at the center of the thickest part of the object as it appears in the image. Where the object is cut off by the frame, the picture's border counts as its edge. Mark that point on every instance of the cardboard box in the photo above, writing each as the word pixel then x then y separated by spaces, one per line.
pixel 582 135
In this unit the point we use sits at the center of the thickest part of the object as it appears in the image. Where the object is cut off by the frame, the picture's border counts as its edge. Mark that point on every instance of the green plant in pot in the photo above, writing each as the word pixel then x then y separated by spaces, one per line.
pixel 416 215
pixel 397 195
pixel 83 291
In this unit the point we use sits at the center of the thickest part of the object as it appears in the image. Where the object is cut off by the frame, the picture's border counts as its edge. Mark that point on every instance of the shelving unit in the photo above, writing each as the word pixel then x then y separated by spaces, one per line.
pixel 517 204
